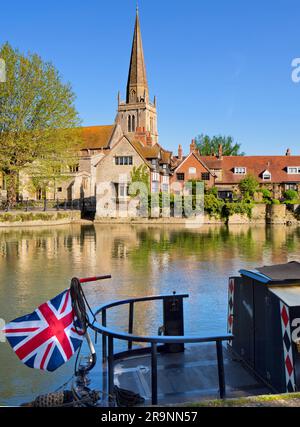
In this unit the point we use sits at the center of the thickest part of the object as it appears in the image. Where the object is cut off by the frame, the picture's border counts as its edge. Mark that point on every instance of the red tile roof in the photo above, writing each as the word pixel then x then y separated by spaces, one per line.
pixel 256 165
pixel 96 137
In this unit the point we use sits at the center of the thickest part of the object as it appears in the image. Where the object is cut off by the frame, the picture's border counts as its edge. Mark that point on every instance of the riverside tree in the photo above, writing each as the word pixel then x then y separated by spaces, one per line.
pixel 207 145
pixel 38 121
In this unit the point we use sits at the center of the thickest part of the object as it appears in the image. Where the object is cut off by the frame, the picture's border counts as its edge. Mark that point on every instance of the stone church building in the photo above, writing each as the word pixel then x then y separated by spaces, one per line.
pixel 109 154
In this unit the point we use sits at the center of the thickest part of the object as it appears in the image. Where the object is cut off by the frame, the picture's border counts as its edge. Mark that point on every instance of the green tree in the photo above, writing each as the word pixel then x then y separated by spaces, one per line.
pixel 208 145
pixel 248 186
pixel 38 120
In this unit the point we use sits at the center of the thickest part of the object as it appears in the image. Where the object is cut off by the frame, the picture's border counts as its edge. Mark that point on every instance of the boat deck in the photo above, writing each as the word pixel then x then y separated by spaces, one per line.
pixel 187 377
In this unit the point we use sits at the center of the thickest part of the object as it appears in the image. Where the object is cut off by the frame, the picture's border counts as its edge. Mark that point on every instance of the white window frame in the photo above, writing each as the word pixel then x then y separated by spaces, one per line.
pixel 290 168
pixel 123 194
pixel 155 177
pixel 127 162
pixel 267 176
pixel 155 187
pixel 192 170
pixel 240 170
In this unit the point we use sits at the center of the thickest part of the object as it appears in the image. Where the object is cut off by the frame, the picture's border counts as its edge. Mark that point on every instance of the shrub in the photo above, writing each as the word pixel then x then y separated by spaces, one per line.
pixel 290 195
pixel 212 205
pixel 213 191
pixel 292 202
pixel 242 208
pixel 249 185
pixel 275 202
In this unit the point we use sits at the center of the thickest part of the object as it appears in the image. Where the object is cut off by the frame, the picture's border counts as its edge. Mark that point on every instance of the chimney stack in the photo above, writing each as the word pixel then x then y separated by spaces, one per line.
pixel 192 146
pixel 288 152
pixel 180 152
pixel 220 151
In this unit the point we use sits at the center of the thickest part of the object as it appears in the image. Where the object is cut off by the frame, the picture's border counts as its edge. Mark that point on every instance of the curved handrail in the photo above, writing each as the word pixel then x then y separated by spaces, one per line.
pixel 152 338
pixel 110 334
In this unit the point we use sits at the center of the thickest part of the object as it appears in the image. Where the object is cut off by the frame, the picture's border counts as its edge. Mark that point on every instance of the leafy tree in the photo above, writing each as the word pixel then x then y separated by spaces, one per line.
pixel 208 145
pixel 248 186
pixel 38 120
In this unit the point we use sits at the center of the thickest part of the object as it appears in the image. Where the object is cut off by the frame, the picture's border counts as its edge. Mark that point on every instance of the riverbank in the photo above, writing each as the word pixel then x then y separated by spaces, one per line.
pixel 260 215
pixel 272 400
pixel 49 218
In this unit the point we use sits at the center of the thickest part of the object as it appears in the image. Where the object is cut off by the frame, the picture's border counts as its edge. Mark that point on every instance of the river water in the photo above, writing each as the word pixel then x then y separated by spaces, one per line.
pixel 37 263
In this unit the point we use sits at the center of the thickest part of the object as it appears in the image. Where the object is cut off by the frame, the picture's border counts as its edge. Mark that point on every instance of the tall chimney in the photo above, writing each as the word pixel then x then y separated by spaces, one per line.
pixel 220 151
pixel 192 146
pixel 180 152
pixel 288 152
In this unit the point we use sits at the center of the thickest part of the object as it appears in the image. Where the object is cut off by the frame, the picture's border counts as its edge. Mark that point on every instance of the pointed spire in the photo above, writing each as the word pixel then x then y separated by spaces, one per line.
pixel 137 86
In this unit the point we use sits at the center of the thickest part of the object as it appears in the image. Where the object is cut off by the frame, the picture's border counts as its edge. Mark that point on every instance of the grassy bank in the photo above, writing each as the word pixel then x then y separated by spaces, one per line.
pixel 279 400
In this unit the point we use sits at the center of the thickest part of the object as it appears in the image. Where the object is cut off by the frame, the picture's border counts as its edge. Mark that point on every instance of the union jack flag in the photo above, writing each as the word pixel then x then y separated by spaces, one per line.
pixel 46 338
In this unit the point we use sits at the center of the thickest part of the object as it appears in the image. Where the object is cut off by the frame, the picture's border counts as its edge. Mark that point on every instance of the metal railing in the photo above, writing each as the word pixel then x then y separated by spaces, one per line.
pixel 109 335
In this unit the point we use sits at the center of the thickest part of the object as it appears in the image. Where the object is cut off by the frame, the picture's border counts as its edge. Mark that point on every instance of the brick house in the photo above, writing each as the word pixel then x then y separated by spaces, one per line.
pixel 276 173
pixel 190 167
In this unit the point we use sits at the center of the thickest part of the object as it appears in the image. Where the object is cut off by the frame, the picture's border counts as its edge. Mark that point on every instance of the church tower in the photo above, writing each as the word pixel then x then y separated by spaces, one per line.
pixel 137 115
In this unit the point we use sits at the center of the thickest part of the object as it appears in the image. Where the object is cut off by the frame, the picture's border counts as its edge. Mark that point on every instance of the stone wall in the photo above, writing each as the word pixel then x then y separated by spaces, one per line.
pixel 276 214
pixel 17 219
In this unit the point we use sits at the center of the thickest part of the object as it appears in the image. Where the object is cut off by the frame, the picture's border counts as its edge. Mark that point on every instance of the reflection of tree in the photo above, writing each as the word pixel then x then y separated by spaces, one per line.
pixel 203 244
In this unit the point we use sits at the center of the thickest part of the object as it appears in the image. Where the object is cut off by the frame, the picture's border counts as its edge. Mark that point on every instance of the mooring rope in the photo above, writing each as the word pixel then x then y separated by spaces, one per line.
pixel 80 305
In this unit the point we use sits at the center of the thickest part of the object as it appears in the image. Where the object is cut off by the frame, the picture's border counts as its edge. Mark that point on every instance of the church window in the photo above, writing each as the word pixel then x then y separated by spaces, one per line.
pixel 129 123
pixel 133 124
pixel 123 160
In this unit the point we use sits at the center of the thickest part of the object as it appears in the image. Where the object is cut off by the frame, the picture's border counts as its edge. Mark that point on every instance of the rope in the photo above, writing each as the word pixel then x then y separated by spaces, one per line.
pixel 123 398
pixel 80 305
pixel 127 398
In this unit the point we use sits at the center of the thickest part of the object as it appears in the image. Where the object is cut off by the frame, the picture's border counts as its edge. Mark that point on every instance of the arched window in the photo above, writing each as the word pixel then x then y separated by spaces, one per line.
pixel 129 123
pixel 133 124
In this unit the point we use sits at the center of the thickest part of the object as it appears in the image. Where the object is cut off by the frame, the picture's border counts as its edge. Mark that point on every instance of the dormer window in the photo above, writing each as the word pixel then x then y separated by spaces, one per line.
pixel 293 170
pixel 266 176
pixel 240 170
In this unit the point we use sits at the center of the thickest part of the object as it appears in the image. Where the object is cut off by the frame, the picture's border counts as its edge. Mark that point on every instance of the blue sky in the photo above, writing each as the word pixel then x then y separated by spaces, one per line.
pixel 216 66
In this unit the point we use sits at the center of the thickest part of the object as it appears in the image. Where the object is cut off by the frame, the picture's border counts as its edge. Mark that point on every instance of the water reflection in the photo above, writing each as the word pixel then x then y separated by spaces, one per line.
pixel 37 264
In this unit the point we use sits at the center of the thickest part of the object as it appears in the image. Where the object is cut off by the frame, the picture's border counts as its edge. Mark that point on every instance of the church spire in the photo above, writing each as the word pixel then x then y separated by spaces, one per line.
pixel 137 86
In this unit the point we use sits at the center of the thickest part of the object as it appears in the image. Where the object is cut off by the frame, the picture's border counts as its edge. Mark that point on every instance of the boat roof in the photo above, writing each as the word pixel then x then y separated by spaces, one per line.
pixel 290 295
pixel 280 273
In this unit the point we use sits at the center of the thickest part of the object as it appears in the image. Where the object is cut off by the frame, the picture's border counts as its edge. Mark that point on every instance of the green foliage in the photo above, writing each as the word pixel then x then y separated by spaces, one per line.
pixel 275 202
pixel 266 196
pixel 290 195
pixel 248 186
pixel 32 216
pixel 212 190
pixel 242 208
pixel 292 202
pixel 140 174
pixel 212 205
pixel 209 145
pixel 38 121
